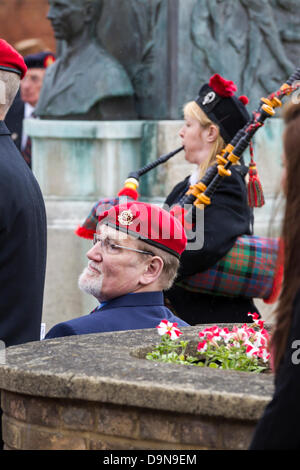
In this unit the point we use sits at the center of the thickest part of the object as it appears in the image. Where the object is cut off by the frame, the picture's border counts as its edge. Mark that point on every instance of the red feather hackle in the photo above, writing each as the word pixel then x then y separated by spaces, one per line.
pixel 222 87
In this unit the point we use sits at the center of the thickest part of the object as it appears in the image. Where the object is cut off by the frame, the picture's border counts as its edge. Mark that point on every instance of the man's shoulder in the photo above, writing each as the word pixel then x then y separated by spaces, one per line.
pixel 128 312
pixel 76 326
pixel 98 64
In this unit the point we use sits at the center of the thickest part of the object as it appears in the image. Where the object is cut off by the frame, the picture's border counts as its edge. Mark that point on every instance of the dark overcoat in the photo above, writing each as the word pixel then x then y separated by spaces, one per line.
pixel 14 120
pixel 23 235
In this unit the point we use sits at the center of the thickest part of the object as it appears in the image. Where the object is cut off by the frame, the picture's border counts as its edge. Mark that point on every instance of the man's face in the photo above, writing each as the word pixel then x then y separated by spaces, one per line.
pixel 31 86
pixel 112 273
pixel 67 18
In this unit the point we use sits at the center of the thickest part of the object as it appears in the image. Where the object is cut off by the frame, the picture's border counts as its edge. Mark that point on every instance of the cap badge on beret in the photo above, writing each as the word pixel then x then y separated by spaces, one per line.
pixel 126 217
pixel 209 98
pixel 49 60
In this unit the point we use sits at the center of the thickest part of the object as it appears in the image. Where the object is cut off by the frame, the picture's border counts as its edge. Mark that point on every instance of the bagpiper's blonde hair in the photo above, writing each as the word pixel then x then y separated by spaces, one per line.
pixel 192 110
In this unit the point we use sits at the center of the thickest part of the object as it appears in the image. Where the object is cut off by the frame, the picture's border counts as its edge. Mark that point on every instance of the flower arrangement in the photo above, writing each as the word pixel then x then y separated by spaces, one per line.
pixel 244 348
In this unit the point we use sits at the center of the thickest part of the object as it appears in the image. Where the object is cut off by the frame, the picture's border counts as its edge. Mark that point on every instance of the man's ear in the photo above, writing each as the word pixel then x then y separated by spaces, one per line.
pixel 152 270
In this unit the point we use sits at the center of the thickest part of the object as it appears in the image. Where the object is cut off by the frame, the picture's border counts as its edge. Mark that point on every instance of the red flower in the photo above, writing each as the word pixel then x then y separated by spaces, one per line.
pixel 202 346
pixel 168 328
pixel 254 315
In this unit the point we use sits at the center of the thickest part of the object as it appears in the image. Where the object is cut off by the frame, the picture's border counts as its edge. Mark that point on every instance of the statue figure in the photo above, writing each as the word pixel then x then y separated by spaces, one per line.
pixel 85 82
pixel 217 49
pixel 289 26
pixel 241 39
pixel 205 35
pixel 263 30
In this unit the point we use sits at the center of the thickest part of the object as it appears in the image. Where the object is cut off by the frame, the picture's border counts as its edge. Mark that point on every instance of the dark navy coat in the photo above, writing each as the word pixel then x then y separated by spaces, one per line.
pixel 128 312
pixel 228 217
pixel 23 235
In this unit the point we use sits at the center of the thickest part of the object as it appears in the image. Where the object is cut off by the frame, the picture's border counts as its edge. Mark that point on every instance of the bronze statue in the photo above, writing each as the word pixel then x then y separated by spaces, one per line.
pixel 86 82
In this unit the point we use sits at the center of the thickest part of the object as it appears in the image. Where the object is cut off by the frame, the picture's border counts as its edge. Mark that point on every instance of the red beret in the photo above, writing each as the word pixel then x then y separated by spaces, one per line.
pixel 11 60
pixel 149 223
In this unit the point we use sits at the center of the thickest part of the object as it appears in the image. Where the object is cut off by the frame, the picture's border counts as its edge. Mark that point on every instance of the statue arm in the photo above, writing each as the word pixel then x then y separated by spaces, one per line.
pixel 201 36
pixel 262 15
pixel 290 35
pixel 254 58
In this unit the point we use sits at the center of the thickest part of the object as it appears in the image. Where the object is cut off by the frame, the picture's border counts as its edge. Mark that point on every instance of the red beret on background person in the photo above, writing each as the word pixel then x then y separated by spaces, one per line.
pixel 27 99
pixel 135 256
pixel 11 60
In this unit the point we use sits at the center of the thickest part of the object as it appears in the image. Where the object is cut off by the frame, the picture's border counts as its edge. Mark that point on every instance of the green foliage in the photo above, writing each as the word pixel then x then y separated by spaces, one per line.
pixel 217 356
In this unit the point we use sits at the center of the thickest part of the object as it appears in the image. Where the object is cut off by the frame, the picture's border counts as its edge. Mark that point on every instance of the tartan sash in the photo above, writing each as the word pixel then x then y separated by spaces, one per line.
pixel 252 268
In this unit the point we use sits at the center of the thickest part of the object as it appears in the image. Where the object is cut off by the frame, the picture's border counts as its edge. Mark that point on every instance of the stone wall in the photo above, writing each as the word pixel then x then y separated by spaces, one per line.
pixel 32 423
pixel 97 392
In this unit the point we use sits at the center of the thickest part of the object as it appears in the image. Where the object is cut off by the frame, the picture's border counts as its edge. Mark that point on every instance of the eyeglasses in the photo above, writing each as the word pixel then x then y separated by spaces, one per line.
pixel 112 248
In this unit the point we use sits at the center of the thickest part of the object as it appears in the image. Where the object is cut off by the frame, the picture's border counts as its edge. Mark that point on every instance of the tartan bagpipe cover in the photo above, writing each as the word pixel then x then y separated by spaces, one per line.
pixel 252 268
pixel 88 228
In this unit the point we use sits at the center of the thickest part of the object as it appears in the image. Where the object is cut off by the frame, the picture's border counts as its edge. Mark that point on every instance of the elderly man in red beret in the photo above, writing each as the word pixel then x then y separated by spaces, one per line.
pixel 22 223
pixel 134 258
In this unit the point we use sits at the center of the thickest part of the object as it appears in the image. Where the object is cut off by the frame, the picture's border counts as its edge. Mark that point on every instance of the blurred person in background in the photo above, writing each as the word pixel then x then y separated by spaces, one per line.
pixel 26 100
pixel 279 425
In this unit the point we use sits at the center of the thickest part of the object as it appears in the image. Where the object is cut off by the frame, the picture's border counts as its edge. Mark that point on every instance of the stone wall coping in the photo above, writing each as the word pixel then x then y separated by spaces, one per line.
pixel 104 368
pixel 50 129
pixel 42 128
pixel 104 129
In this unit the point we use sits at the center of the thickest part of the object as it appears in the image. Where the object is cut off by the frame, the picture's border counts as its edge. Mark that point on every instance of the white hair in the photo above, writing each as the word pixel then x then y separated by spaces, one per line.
pixel 171 264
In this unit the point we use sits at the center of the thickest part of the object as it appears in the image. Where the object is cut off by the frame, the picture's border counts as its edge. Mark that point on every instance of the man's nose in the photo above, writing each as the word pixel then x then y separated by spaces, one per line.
pixel 25 84
pixel 95 254
pixel 50 14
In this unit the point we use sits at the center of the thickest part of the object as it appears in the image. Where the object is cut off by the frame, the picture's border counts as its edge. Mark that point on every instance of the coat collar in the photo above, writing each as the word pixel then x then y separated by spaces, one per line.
pixel 3 129
pixel 135 300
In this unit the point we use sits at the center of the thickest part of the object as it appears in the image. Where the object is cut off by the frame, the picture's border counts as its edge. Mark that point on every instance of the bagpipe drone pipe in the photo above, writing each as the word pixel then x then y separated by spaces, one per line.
pixel 254 266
